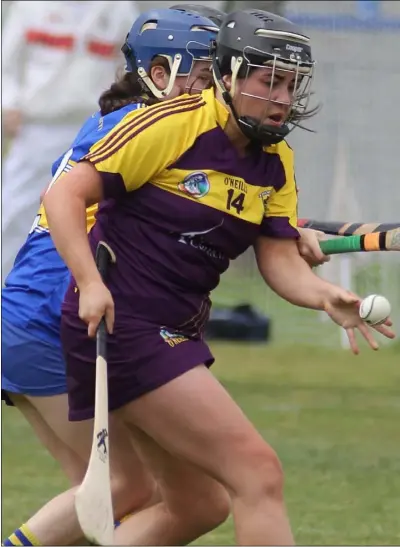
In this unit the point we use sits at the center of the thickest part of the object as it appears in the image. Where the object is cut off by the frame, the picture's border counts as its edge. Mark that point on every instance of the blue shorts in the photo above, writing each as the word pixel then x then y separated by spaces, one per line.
pixel 30 365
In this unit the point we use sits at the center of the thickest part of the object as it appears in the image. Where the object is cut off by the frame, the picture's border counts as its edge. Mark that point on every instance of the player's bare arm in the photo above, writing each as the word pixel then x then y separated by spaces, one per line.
pixel 292 279
pixel 302 288
pixel 65 206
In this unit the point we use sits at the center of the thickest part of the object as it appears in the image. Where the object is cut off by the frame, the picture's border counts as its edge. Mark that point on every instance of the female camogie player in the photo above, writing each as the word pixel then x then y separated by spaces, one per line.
pixel 215 176
pixel 32 298
pixel 33 371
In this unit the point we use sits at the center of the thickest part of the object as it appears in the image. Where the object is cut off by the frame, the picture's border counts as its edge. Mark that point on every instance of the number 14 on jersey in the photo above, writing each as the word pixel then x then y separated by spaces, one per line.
pixel 235 200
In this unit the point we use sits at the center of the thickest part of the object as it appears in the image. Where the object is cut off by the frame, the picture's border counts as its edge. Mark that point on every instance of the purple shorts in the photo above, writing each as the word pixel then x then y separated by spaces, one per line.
pixel 141 357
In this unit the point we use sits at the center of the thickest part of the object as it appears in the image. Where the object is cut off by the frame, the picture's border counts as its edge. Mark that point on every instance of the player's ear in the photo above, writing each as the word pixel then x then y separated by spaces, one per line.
pixel 227 79
pixel 159 76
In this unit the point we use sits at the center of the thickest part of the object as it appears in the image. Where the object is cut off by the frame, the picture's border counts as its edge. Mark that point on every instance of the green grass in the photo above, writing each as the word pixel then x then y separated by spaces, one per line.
pixel 333 419
pixel 243 284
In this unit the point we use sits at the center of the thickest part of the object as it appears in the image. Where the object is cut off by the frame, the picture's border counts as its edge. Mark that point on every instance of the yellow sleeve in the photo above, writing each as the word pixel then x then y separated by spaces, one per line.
pixel 145 142
pixel 280 218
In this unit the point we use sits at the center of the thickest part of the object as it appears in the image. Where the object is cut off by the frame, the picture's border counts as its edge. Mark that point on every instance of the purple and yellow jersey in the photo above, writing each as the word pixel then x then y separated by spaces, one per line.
pixel 35 287
pixel 180 204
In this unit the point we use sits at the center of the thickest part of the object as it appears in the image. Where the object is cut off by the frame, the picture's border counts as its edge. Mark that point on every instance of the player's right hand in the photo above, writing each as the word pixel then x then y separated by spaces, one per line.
pixel 309 248
pixel 343 306
pixel 95 302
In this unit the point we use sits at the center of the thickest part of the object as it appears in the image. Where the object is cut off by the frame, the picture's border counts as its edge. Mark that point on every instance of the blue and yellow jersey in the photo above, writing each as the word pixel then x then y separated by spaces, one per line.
pixel 36 285
pixel 181 203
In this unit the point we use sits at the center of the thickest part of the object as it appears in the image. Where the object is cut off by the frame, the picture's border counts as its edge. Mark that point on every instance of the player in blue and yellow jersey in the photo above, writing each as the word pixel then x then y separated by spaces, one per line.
pixel 167 54
pixel 215 176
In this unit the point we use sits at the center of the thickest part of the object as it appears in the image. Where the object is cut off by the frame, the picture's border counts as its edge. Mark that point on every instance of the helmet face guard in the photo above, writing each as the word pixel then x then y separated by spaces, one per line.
pixel 303 75
pixel 277 51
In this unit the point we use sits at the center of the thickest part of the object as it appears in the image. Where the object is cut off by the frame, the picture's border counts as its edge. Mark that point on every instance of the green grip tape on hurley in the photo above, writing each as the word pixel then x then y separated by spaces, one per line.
pixel 350 244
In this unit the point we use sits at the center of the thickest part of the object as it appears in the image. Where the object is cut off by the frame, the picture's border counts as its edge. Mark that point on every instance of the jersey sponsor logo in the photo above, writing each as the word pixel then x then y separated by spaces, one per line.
pixel 172 338
pixel 196 240
pixel 196 185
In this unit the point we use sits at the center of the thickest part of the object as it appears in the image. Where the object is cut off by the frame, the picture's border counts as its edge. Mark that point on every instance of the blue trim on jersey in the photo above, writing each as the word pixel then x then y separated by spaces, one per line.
pixel 95 128
pixel 35 287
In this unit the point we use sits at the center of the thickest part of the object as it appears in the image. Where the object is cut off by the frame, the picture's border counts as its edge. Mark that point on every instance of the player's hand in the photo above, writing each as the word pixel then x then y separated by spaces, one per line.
pixel 12 121
pixel 309 248
pixel 343 308
pixel 95 302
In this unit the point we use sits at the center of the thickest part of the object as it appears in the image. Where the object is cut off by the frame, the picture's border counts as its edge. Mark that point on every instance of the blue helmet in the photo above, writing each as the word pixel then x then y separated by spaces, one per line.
pixel 179 36
pixel 205 10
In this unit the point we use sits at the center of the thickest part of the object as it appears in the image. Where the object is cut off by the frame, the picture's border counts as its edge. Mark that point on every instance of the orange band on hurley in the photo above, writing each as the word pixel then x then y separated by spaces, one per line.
pixel 371 242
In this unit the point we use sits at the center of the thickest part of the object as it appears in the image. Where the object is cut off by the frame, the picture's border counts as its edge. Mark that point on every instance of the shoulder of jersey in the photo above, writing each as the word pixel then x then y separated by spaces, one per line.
pixel 184 104
pixel 98 126
pixel 166 115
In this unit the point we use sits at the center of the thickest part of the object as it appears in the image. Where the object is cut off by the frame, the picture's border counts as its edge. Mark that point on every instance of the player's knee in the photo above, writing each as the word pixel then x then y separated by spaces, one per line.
pixel 214 509
pixel 261 474
pixel 129 496
pixel 201 511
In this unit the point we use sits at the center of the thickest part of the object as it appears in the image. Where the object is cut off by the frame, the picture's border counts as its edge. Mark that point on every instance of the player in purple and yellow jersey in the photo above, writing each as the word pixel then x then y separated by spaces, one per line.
pixel 167 54
pixel 215 177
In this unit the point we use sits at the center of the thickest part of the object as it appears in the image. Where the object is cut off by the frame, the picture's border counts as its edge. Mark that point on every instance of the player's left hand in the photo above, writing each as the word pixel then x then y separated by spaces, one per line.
pixel 309 248
pixel 343 308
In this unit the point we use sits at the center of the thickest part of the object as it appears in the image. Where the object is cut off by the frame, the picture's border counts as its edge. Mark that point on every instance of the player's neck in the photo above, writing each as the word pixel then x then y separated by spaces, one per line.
pixel 235 135
pixel 232 130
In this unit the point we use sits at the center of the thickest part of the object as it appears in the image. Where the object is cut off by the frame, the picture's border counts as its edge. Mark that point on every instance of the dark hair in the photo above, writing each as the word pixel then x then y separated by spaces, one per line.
pixel 296 118
pixel 128 88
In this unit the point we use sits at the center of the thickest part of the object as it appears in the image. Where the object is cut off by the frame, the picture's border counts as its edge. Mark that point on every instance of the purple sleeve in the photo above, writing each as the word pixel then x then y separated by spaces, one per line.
pixel 113 185
pixel 278 227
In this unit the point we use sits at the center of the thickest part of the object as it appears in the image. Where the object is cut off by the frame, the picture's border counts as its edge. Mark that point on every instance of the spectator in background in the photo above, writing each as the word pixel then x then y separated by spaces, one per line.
pixel 57 58
pixel 5 5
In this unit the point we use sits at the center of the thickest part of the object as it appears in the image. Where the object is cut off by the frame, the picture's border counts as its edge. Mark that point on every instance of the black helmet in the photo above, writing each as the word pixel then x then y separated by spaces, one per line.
pixel 256 38
pixel 215 15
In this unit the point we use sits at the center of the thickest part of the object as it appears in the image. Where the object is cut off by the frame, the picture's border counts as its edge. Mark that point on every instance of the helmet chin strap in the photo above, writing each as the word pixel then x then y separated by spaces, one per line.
pixel 160 94
pixel 250 127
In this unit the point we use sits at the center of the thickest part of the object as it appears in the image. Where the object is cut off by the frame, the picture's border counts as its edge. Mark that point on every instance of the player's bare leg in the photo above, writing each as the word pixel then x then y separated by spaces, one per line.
pixel 38 412
pixel 192 502
pixel 195 418
pixel 69 443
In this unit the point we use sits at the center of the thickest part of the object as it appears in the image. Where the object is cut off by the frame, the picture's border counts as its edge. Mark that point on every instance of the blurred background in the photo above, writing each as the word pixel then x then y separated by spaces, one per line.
pixel 347 170
pixel 333 418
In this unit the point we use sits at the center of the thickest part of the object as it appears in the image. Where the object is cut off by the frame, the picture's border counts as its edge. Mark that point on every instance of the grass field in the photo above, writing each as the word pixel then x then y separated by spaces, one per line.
pixel 377 273
pixel 333 418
